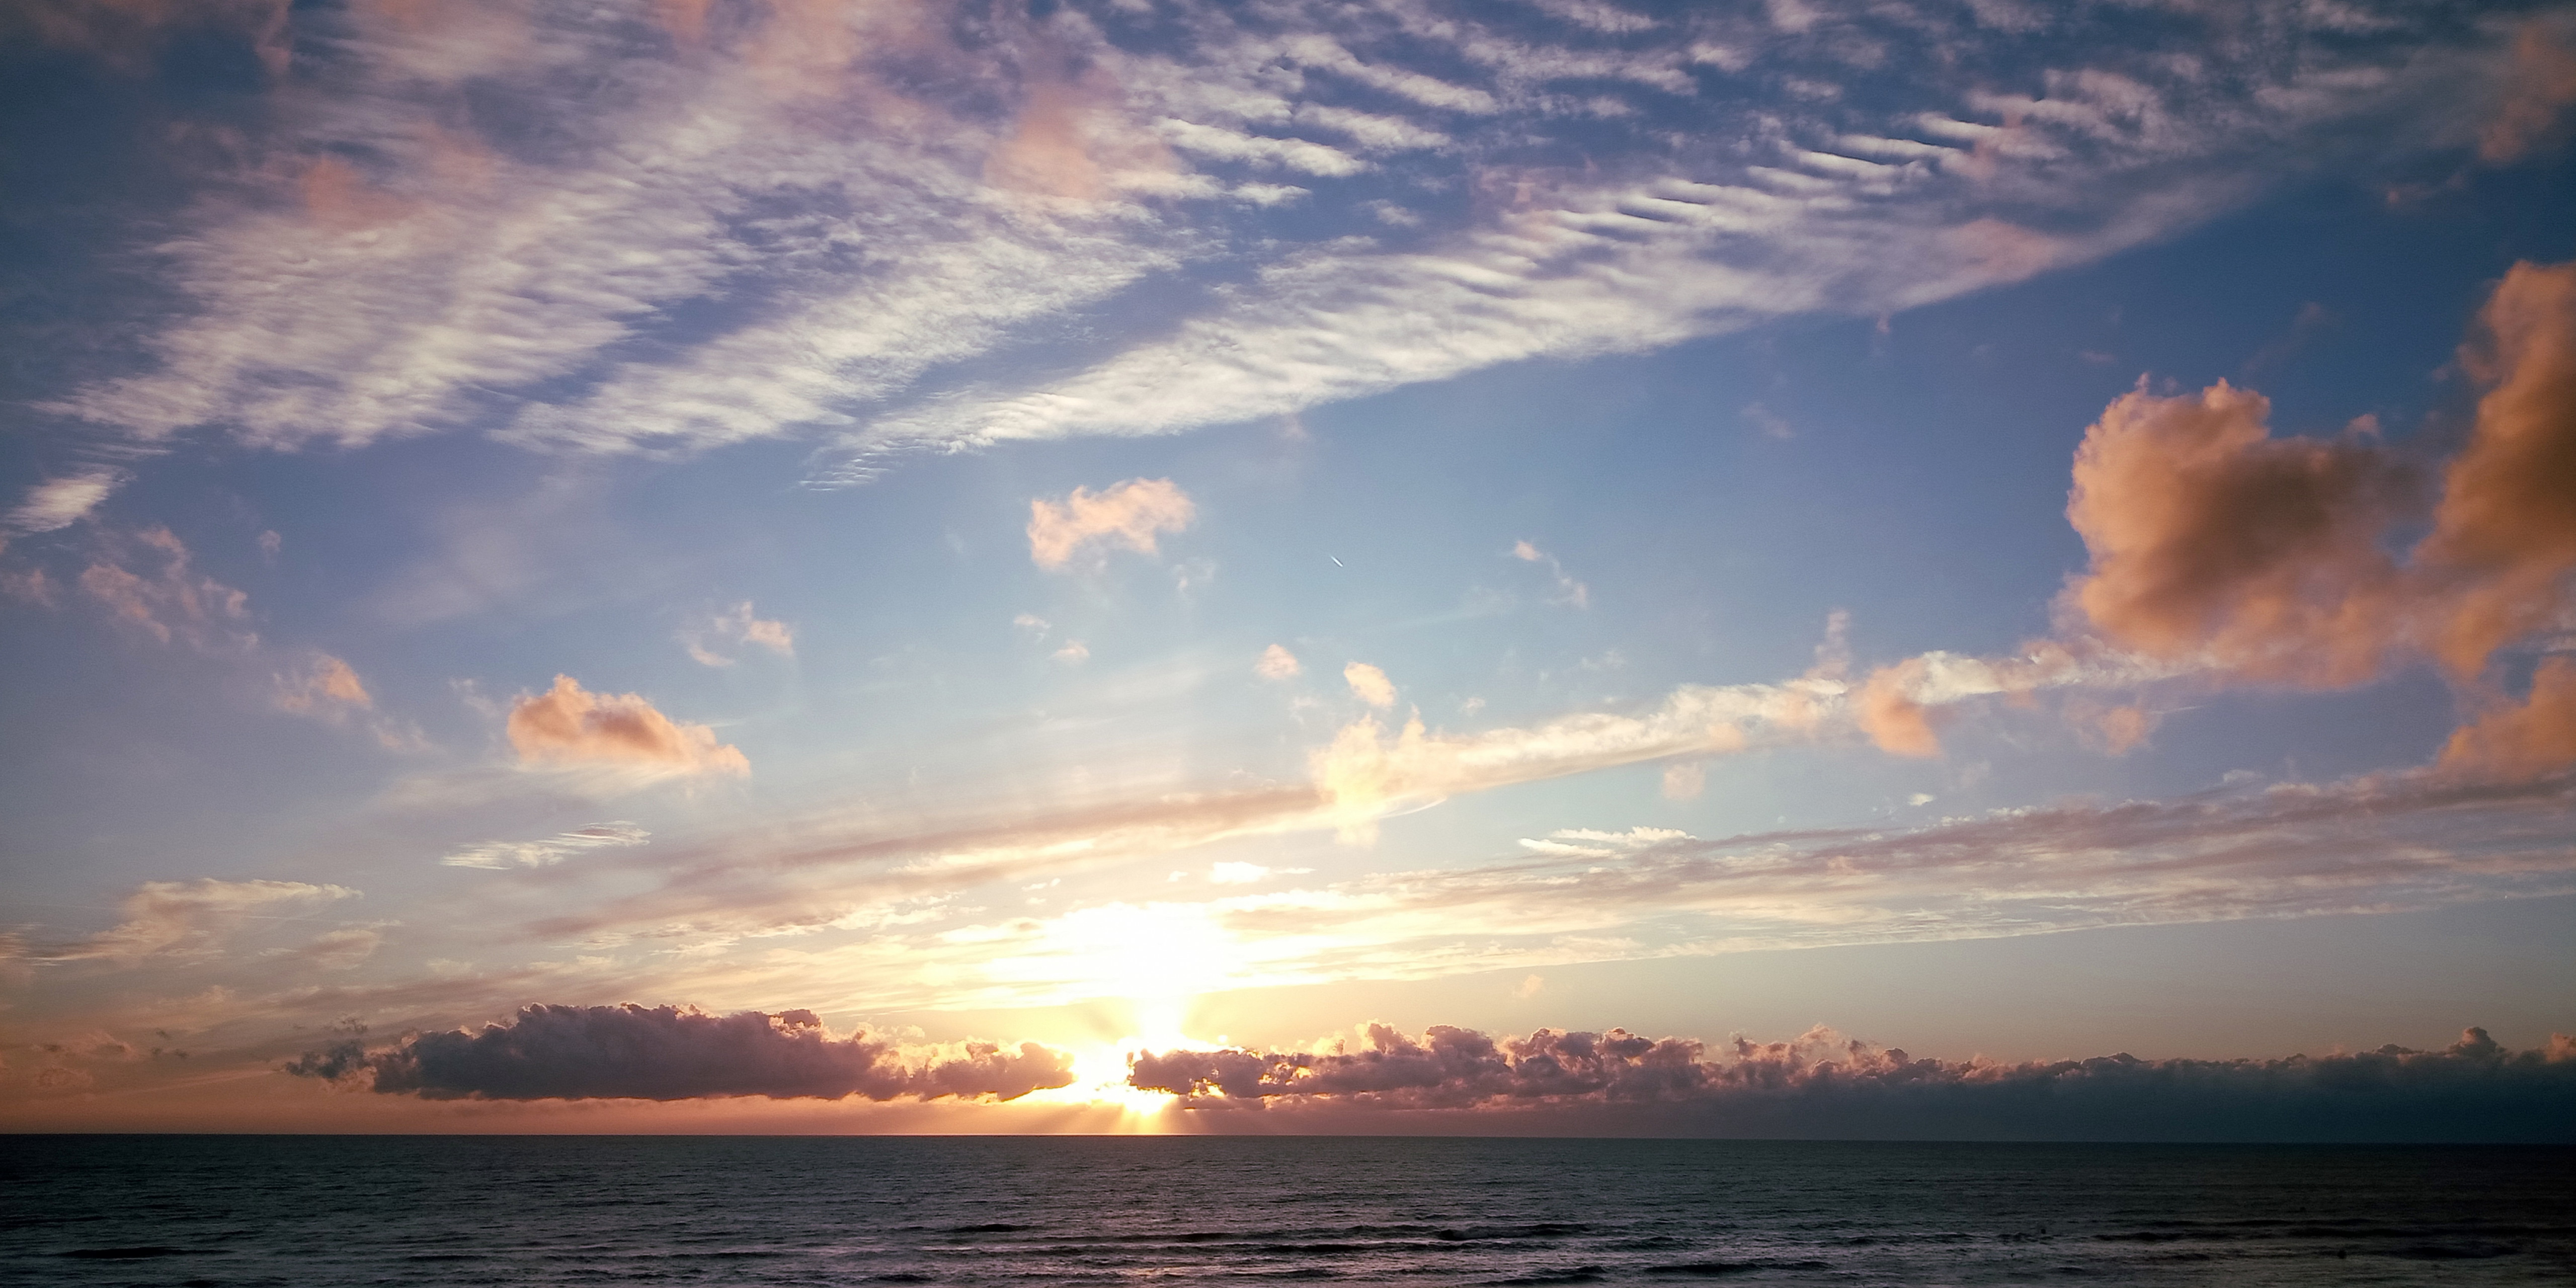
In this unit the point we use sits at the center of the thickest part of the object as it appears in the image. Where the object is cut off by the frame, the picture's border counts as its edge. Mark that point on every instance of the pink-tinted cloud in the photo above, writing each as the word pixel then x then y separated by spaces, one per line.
pixel 2522 740
pixel 669 1053
pixel 167 598
pixel 1126 514
pixel 1892 718
pixel 1277 663
pixel 326 687
pixel 568 725
pixel 738 625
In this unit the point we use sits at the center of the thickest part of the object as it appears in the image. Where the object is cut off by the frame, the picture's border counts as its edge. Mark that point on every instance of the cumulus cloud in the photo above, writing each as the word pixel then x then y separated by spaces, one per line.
pixel 568 725
pixel 192 918
pixel 1277 663
pixel 1125 514
pixel 2521 740
pixel 2539 88
pixel 59 503
pixel 502 855
pixel 1369 684
pixel 1822 1084
pixel 670 1053
pixel 737 626
pixel 2269 557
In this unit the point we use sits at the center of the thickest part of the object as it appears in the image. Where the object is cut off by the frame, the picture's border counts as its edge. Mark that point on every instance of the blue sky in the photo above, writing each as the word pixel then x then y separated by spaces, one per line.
pixel 1173 526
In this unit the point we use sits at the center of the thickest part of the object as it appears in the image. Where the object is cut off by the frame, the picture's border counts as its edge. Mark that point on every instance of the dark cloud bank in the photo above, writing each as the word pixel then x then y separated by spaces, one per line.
pixel 1820 1086
pixel 667 1053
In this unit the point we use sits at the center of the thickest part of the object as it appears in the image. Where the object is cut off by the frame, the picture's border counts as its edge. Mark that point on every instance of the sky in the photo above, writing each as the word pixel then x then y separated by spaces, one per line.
pixel 1797 568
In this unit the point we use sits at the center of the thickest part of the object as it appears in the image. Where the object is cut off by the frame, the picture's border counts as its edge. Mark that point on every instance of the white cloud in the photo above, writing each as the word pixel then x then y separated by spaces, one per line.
pixel 59 503
pixel 499 855
pixel 1277 663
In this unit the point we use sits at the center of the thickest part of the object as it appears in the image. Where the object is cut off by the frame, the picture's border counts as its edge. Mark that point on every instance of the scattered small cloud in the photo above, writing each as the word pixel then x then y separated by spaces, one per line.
pixel 1568 590
pixel 1127 515
pixel 148 582
pixel 1769 423
pixel 1369 684
pixel 568 726
pixel 1529 987
pixel 1684 780
pixel 1074 653
pixel 737 626
pixel 324 687
pixel 1277 663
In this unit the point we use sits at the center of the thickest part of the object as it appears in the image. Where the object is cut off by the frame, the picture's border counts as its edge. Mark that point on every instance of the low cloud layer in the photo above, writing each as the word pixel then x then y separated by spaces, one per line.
pixel 1822 1085
pixel 568 725
pixel 1086 524
pixel 668 1053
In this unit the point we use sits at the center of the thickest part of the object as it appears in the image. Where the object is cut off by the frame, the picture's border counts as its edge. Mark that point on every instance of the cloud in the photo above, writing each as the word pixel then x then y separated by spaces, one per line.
pixel 1824 1085
pixel 192 918
pixel 1568 590
pixel 737 625
pixel 1125 514
pixel 2208 536
pixel 325 687
pixel 570 726
pixel 668 1053
pixel 2269 558
pixel 2521 740
pixel 168 599
pixel 344 949
pixel 1277 663
pixel 1369 684
pixel 832 221
pixel 2540 86
pixel 502 855
pixel 62 502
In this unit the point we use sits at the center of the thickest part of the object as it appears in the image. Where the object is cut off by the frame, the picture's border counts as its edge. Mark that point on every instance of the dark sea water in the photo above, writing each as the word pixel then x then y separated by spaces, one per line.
pixel 167 1210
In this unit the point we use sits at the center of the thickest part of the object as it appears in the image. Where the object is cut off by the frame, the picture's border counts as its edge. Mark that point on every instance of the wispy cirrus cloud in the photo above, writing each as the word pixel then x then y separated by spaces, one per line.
pixel 191 918
pixel 835 223
pixel 503 855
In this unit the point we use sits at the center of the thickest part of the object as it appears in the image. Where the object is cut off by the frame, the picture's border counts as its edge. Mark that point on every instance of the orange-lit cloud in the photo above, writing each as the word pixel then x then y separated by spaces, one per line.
pixel 2523 740
pixel 326 686
pixel 1126 514
pixel 2539 88
pixel 2210 537
pixel 738 625
pixel 1895 721
pixel 568 725
pixel 2269 558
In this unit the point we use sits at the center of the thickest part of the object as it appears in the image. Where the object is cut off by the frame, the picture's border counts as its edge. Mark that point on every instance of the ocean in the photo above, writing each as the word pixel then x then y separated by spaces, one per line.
pixel 316 1212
